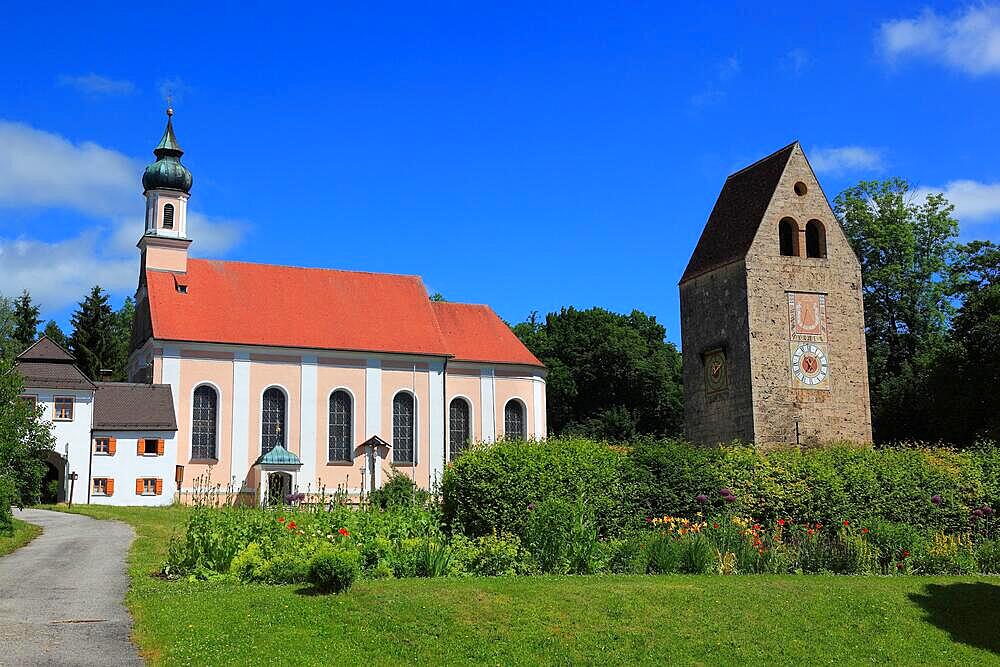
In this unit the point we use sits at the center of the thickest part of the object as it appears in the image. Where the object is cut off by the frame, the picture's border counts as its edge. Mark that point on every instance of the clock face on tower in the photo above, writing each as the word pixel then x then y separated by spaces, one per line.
pixel 810 366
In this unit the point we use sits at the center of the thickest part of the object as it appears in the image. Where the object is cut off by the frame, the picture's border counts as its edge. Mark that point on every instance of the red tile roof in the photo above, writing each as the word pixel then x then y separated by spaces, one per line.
pixel 475 333
pixel 283 306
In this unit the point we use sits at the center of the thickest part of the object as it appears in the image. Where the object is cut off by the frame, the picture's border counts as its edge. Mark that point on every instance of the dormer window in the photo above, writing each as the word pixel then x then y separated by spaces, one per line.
pixel 788 237
pixel 815 239
pixel 168 216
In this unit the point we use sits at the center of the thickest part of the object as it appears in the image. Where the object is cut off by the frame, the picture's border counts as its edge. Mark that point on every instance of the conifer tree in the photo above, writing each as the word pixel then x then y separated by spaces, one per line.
pixel 123 338
pixel 93 339
pixel 26 322
pixel 56 335
pixel 7 343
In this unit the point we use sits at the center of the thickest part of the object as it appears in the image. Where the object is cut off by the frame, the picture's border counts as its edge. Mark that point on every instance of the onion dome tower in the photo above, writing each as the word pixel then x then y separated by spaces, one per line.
pixel 166 184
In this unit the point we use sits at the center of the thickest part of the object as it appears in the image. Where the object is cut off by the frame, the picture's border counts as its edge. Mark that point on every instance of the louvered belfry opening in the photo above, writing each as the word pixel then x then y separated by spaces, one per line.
pixel 168 216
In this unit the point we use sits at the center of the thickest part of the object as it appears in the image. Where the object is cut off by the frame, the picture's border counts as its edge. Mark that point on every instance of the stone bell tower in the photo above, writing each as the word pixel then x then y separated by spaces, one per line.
pixel 166 184
pixel 772 319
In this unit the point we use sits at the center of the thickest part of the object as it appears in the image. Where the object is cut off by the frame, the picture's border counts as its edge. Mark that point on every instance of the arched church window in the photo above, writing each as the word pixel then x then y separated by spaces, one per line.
pixel 168 216
pixel 459 428
pixel 788 237
pixel 272 420
pixel 340 426
pixel 815 239
pixel 204 424
pixel 513 420
pixel 403 431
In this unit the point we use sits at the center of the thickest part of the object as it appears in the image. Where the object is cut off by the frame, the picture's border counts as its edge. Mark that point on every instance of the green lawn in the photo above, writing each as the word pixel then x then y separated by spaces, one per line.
pixel 23 533
pixel 558 620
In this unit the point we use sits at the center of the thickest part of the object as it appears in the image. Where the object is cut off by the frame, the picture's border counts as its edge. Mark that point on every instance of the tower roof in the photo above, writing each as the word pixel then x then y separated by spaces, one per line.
pixel 167 173
pixel 737 214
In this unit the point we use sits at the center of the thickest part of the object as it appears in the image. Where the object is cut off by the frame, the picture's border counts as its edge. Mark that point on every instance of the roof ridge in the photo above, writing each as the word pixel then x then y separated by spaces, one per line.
pixel 763 159
pixel 305 268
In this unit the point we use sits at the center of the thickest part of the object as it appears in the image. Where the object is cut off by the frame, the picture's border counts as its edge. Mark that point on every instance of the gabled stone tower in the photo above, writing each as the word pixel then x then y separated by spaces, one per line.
pixel 772 320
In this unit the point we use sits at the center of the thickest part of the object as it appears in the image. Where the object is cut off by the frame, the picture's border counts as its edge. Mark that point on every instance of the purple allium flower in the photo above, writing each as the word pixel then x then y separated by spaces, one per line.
pixel 730 498
pixel 725 491
pixel 701 498
pixel 977 514
pixel 936 499
pixel 987 510
pixel 531 506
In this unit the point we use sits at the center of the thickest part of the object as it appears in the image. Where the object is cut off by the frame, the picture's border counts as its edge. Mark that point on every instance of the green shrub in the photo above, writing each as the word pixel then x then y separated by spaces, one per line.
pixel 850 553
pixel 398 492
pixel 433 558
pixel 496 556
pixel 895 542
pixel 249 564
pixel 664 555
pixel 8 497
pixel 625 555
pixel 562 537
pixel 988 557
pixel 946 554
pixel 697 555
pixel 490 488
pixel 334 570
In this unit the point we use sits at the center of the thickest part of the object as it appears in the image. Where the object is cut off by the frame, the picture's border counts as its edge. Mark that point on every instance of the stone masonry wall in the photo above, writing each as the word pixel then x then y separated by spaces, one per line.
pixel 841 412
pixel 714 314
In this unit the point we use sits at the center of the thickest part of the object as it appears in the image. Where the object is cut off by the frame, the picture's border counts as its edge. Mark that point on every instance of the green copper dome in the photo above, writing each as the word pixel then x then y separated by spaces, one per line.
pixel 167 172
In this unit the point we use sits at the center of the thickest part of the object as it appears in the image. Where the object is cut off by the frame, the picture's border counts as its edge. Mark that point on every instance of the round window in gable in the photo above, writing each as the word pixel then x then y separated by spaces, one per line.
pixel 801 189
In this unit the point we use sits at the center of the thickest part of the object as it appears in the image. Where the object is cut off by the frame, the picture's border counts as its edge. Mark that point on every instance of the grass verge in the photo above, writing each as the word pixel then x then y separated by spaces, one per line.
pixel 556 620
pixel 23 533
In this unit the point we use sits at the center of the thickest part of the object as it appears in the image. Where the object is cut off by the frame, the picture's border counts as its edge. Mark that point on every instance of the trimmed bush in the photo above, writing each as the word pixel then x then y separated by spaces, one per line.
pixel 8 497
pixel 334 570
pixel 489 489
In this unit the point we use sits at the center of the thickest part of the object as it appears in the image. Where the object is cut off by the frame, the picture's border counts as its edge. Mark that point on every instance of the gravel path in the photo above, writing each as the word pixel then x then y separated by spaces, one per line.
pixel 61 595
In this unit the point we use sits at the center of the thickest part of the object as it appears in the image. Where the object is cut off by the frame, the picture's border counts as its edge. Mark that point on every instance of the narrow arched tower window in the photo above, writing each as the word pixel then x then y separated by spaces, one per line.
pixel 815 239
pixel 272 420
pixel 513 421
pixel 168 216
pixel 788 237
pixel 403 431
pixel 204 425
pixel 459 432
pixel 340 426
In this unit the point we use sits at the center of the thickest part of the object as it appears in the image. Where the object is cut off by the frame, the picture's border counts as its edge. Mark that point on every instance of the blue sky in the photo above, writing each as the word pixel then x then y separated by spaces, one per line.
pixel 528 155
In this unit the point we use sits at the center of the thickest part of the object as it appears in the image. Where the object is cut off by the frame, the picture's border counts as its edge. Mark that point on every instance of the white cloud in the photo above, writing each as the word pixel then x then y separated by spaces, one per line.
pixel 95 84
pixel 714 92
pixel 845 159
pixel 58 274
pixel 968 41
pixel 796 61
pixel 974 201
pixel 40 170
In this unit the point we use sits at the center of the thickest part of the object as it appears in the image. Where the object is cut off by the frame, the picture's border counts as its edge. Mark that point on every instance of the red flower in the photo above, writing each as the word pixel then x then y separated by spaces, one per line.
pixel 810 531
pixel 291 525
pixel 281 520
pixel 781 522
pixel 846 522
pixel 864 530
pixel 343 531
pixel 899 566
pixel 906 553
pixel 715 525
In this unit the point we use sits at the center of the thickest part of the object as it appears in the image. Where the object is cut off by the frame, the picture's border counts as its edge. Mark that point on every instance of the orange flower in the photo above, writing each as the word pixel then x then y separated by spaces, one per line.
pixel 281 520
pixel 343 531
pixel 291 525
pixel 715 525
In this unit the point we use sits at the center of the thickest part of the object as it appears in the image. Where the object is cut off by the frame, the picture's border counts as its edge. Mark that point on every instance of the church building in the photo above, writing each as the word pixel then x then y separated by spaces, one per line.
pixel 772 317
pixel 291 380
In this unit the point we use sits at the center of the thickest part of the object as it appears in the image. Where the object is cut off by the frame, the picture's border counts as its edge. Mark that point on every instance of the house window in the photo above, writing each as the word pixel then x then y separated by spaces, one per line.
pixel 402 428
pixel 272 420
pixel 204 423
pixel 30 399
pixel 459 428
pixel 63 408
pixel 148 486
pixel 815 239
pixel 788 237
pixel 340 426
pixel 150 447
pixel 168 216
pixel 102 446
pixel 103 486
pixel 513 420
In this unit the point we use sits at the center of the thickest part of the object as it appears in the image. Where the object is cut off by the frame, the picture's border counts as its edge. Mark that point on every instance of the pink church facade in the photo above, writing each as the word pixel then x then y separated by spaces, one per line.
pixel 263 360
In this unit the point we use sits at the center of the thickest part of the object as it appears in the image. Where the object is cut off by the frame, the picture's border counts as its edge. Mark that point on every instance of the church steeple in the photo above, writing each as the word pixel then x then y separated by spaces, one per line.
pixel 166 183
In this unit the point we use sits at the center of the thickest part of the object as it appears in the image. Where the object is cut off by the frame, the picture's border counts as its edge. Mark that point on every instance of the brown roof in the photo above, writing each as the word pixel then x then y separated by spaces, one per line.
pixel 738 213
pixel 127 406
pixel 45 350
pixel 46 365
